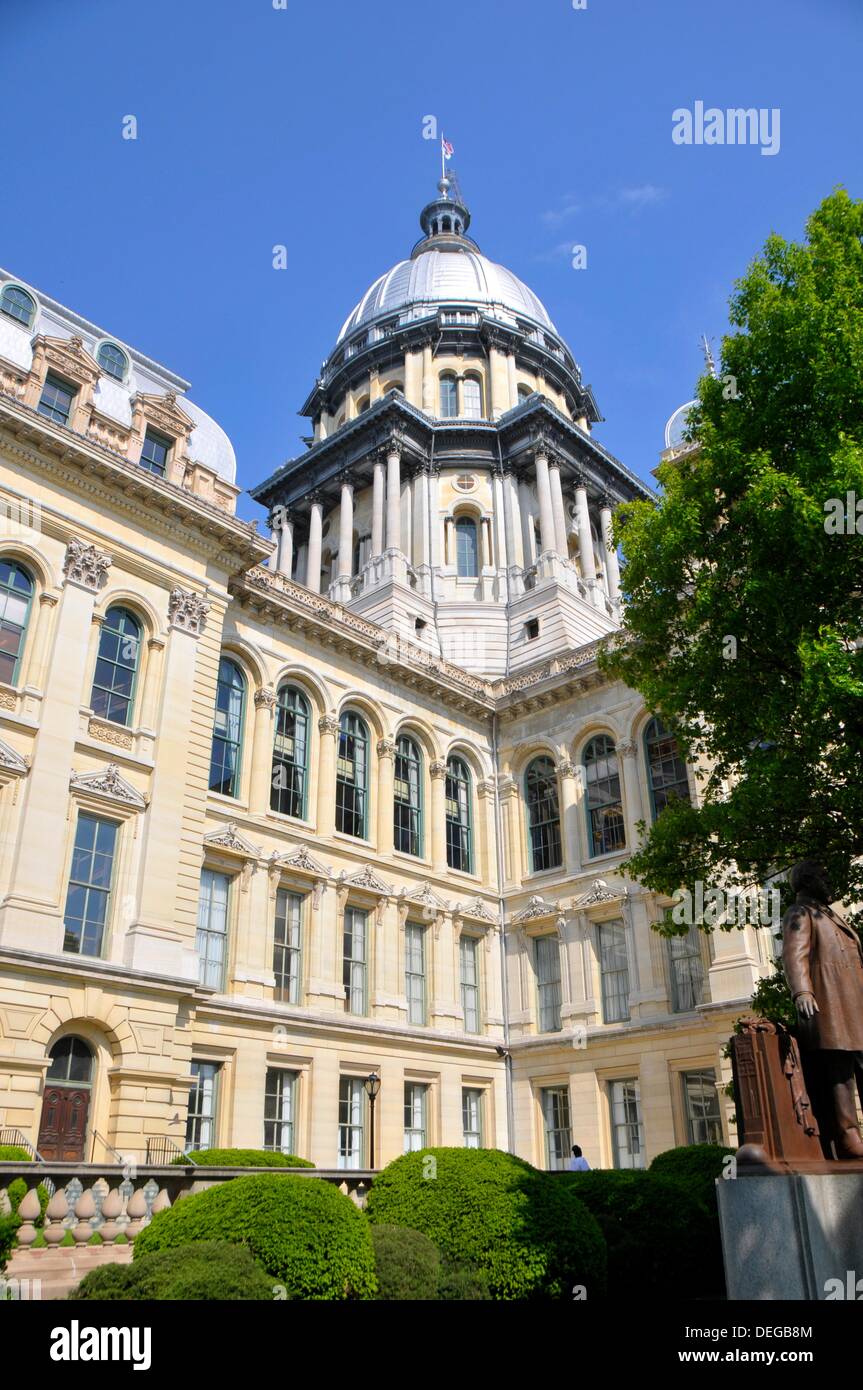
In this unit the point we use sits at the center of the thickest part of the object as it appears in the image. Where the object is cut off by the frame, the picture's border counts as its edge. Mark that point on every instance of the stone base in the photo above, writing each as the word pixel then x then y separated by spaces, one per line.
pixel 793 1236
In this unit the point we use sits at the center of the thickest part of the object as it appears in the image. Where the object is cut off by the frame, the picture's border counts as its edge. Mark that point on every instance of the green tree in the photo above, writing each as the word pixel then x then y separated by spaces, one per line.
pixel 743 616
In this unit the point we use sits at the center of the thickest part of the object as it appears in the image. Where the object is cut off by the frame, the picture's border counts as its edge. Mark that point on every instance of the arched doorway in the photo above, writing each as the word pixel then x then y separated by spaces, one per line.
pixel 66 1101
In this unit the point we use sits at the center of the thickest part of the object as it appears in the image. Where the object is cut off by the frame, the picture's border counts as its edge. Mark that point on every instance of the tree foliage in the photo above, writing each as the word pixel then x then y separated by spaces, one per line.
pixel 742 545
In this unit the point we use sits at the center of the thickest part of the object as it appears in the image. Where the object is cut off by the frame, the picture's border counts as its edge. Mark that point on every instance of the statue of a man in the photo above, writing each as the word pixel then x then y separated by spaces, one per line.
pixel 823 960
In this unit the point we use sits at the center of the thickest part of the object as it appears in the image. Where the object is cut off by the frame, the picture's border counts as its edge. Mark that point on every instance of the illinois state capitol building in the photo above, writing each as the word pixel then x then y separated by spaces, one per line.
pixel 278 816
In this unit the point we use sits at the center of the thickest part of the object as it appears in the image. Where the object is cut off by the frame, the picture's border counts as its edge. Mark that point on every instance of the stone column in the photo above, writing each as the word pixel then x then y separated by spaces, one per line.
pixel 546 512
pixel 341 590
pixel 262 751
pixel 434 515
pixel 147 717
pixel 420 512
pixel 313 554
pixel 328 726
pixel 386 786
pixel 378 509
pixel 585 544
pixel 558 508
pixel 429 401
pixel 285 552
pixel 437 770
pixel 633 810
pixel 569 809
pixel 527 506
pixel 37 673
pixel 31 915
pixel 394 498
pixel 611 563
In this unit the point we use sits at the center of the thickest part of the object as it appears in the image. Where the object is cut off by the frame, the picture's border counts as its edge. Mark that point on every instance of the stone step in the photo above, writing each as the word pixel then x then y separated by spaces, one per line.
pixel 60 1270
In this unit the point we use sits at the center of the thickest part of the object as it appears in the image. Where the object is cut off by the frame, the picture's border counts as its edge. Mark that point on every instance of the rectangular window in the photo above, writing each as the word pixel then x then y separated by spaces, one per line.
pixel 468 957
pixel 614 972
pixel 701 1100
pixel 626 1128
pixel 558 1132
pixel 355 963
pixel 415 972
pixel 279 1094
pixel 201 1120
pixel 416 1106
pixel 547 955
pixel 55 402
pixel 471 1117
pixel 154 454
pixel 352 1113
pixel 287 957
pixel 687 971
pixel 89 892
pixel 212 936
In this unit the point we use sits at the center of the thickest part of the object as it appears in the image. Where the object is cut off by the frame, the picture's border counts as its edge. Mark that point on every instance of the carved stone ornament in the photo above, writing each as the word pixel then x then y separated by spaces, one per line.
pixel 437 770
pixel 425 895
pixel 301 860
pixel 85 565
pixel 626 748
pixel 109 784
pixel 367 879
pixel 328 724
pixel 265 698
pixel 229 838
pixel 600 893
pixel 187 611
pixel 386 748
pixel 476 910
pixel 10 761
pixel 536 910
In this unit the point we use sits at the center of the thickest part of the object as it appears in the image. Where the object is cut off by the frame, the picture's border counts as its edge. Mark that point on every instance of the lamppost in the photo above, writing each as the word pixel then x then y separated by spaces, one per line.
pixel 372 1084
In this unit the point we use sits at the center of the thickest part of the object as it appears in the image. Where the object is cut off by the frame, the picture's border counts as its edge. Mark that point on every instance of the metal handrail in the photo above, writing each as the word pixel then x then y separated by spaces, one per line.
pixel 14 1136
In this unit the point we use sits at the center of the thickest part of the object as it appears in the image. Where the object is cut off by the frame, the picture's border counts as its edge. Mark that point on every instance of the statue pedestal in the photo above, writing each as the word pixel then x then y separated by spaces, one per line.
pixel 794 1234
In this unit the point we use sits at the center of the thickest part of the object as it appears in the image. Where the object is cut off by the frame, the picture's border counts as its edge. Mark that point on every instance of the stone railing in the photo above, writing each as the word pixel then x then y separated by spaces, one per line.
pixel 116 1203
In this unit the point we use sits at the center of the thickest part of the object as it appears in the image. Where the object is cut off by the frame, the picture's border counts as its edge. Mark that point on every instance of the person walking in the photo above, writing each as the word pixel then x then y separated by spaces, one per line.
pixel 578 1163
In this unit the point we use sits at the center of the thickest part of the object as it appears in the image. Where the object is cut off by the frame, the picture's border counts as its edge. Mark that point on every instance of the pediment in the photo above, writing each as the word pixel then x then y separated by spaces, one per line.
pixel 599 893
pixel 12 762
pixel 302 862
pixel 367 879
pixel 110 785
pixel 476 910
pixel 70 357
pixel 536 910
pixel 163 411
pixel 228 838
pixel 424 893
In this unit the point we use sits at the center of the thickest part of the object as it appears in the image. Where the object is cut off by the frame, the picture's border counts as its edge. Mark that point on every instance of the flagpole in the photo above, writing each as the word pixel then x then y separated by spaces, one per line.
pixel 442 158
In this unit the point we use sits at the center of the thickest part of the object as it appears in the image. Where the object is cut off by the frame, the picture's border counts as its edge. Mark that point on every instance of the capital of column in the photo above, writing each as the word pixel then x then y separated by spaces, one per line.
pixel 328 724
pixel 567 769
pixel 437 770
pixel 265 698
pixel 187 611
pixel 627 748
pixel 386 748
pixel 85 565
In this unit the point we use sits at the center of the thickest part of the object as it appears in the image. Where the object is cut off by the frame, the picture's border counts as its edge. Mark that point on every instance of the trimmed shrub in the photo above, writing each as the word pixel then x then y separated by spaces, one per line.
pixel 13 1153
pixel 460 1283
pixel 407 1263
pixel 306 1234
pixel 242 1158
pixel 696 1166
pixel 660 1239
pixel 8 1235
pixel 528 1234
pixel 210 1270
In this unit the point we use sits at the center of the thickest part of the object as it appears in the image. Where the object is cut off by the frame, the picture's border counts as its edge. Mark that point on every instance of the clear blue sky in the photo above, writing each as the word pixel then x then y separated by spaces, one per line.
pixel 303 126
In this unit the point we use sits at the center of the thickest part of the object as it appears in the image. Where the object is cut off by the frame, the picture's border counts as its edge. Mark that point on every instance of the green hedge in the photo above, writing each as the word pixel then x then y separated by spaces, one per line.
pixel 407 1264
pixel 13 1153
pixel 210 1270
pixel 8 1235
pixel 659 1237
pixel 697 1166
pixel 306 1234
pixel 242 1158
pixel 527 1233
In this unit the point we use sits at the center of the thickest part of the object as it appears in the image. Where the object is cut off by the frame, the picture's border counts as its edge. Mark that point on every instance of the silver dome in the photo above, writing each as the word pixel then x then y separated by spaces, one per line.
pixel 443 276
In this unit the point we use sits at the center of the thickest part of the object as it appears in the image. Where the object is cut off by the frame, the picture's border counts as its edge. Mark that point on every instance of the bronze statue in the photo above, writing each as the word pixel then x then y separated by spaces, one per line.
pixel 823 960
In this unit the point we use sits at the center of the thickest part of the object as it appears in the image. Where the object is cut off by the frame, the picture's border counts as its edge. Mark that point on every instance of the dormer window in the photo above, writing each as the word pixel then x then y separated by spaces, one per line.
pixel 154 455
pixel 17 304
pixel 56 400
pixel 113 361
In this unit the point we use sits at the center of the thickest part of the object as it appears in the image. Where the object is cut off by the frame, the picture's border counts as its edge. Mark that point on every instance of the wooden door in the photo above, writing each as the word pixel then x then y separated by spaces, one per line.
pixel 63 1130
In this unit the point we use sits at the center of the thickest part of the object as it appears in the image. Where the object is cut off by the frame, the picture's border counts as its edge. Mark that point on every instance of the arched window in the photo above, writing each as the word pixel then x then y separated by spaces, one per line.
pixel 113 361
pixel 472 398
pixel 290 753
pixel 524 391
pixel 448 397
pixel 543 815
pixel 666 770
pixel 459 847
pixel 71 1063
pixel 604 806
pixel 466 548
pixel 352 776
pixel 18 305
pixel 407 797
pixel 16 591
pixel 116 666
pixel 228 729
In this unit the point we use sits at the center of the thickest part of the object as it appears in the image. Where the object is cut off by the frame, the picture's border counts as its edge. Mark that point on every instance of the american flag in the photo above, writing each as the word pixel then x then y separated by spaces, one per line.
pixel 446 148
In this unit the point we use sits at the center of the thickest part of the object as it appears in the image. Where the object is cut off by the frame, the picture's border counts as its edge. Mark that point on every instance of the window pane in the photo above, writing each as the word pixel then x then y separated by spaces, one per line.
pixel 666 769
pixel 354 961
pixel 227 729
pixel 469 971
pixel 547 955
pixel 351 1139
pixel 116 666
pixel 604 806
pixel 558 1133
pixel 614 972
pixel 543 815
pixel 200 1124
pixel 352 776
pixel 211 937
pixel 471 1113
pixel 458 822
pixel 287 946
pixel 290 753
pixel 415 973
pixel 89 887
pixel 467 550
pixel 626 1125
pixel 701 1099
